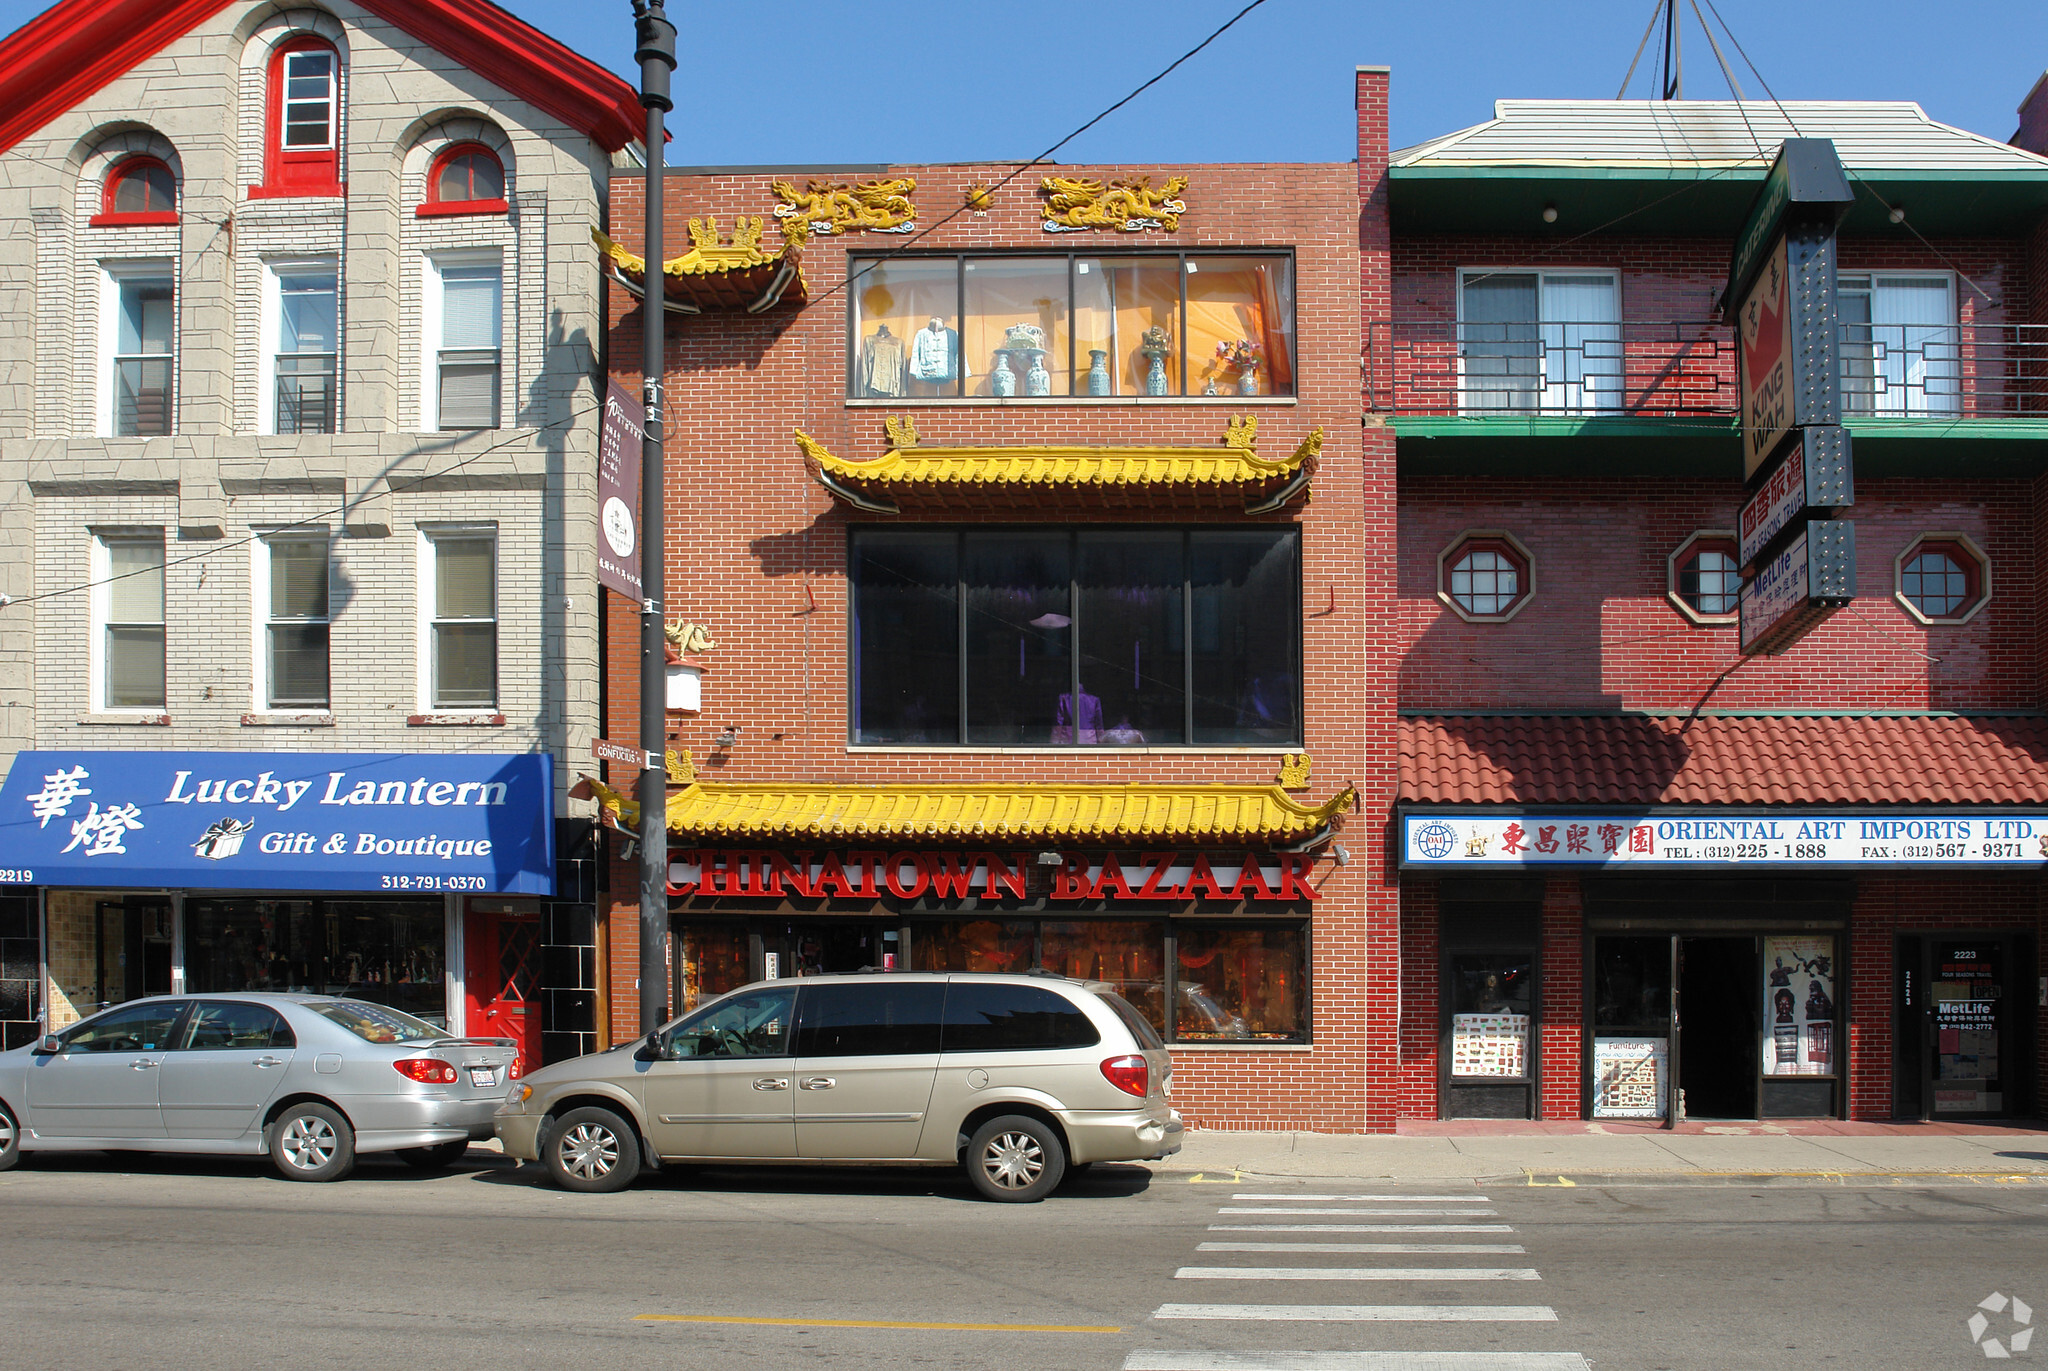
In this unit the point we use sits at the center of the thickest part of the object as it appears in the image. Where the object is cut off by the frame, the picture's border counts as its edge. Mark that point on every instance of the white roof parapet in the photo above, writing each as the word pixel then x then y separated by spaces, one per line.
pixel 1869 135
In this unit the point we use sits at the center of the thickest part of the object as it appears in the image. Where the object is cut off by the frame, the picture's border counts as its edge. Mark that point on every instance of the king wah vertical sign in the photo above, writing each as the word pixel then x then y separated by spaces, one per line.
pixel 1798 562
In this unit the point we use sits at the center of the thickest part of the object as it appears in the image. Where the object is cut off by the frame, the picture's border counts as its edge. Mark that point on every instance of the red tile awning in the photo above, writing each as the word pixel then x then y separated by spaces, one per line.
pixel 1645 759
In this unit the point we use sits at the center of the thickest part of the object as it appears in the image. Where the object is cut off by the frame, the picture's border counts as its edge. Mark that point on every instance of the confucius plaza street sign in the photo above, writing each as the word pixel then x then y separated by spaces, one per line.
pixel 1798 562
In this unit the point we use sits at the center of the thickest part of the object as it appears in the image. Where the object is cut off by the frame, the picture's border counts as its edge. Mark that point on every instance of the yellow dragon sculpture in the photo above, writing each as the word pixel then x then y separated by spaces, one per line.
pixel 1073 203
pixel 842 207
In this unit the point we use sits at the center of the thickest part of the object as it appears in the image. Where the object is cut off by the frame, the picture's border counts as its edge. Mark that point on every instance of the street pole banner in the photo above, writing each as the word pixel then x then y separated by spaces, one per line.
pixel 618 491
pixel 1442 842
pixel 434 822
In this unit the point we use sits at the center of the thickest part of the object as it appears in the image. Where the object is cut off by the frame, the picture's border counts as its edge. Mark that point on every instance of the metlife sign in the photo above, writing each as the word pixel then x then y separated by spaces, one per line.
pixel 433 823
pixel 1468 842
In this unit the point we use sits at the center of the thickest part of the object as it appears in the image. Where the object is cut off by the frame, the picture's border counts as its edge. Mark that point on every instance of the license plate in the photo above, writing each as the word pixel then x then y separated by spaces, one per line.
pixel 483 1075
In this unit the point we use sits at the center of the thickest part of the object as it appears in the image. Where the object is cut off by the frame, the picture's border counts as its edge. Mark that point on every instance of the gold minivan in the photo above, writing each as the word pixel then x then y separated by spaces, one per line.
pixel 1020 1079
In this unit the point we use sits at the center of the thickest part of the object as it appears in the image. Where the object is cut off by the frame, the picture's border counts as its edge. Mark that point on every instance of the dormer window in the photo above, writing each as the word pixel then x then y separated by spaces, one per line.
pixel 138 190
pixel 466 178
pixel 302 133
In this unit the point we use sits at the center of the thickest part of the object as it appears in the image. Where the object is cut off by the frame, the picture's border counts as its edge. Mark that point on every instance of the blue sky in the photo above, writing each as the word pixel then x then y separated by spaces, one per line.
pixel 797 81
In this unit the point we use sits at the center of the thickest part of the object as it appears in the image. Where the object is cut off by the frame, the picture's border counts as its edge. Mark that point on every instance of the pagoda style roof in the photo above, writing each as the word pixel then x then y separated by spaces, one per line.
pixel 779 812
pixel 970 477
pixel 718 275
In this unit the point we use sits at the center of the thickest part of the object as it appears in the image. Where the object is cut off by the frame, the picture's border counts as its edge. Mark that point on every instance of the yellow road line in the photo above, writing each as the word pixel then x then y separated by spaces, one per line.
pixel 882 1323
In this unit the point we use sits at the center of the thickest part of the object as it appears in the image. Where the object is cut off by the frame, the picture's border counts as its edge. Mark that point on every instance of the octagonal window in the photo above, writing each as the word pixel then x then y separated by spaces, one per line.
pixel 1943 578
pixel 1705 577
pixel 1485 576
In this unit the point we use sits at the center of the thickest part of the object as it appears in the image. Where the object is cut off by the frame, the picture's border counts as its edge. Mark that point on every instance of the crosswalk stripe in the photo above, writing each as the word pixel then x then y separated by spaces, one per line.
pixel 1154 1360
pixel 1373 1199
pixel 1363 1313
pixel 1368 1213
pixel 1356 1273
pixel 1361 1228
pixel 1500 1247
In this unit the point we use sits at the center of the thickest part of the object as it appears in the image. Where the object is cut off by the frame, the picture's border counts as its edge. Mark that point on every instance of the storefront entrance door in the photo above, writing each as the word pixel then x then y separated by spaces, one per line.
pixel 1969 1042
pixel 500 978
pixel 1718 979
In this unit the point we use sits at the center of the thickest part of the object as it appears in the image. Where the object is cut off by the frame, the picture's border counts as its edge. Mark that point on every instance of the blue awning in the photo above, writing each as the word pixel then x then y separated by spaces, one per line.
pixel 413 823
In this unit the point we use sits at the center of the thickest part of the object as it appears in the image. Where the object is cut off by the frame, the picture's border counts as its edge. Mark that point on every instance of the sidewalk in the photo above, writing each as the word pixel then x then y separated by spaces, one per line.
pixel 1503 1151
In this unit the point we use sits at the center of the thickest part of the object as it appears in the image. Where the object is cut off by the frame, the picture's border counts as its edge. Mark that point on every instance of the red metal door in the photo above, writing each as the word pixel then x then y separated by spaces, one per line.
pixel 503 955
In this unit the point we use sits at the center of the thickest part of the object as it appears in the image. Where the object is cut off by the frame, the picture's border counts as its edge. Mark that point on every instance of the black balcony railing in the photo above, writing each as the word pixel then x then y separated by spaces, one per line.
pixel 305 393
pixel 1677 368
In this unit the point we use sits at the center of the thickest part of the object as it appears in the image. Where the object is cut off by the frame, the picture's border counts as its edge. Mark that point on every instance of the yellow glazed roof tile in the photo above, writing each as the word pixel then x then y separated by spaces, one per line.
pixel 1081 813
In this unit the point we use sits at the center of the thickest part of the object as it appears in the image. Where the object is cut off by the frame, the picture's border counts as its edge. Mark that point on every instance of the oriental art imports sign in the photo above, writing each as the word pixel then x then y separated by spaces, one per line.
pixel 991 875
pixel 281 821
pixel 1757 839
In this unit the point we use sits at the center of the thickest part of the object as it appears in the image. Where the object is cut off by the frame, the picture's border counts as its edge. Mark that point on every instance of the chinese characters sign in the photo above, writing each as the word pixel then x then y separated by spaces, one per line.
pixel 1438 841
pixel 1764 356
pixel 280 821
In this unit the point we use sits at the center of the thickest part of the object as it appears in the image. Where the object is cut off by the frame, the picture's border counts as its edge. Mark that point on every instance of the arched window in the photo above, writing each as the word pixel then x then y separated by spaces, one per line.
pixel 302 126
pixel 138 190
pixel 467 178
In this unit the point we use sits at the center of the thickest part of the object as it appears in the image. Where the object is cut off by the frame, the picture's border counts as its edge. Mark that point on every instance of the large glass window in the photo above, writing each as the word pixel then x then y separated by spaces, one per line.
pixel 1539 341
pixel 1088 639
pixel 463 628
pixel 385 952
pixel 1901 349
pixel 467 380
pixel 1245 984
pixel 304 365
pixel 1054 325
pixel 1492 1004
pixel 714 960
pixel 1129 955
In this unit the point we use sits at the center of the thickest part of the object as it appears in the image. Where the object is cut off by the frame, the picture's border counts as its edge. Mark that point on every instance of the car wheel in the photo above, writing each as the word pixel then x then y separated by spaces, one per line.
pixel 593 1150
pixel 312 1142
pixel 438 1157
pixel 1015 1159
pixel 10 1139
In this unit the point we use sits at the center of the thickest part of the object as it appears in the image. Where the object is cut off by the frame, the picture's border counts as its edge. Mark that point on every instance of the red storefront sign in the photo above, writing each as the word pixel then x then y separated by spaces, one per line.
pixel 989 875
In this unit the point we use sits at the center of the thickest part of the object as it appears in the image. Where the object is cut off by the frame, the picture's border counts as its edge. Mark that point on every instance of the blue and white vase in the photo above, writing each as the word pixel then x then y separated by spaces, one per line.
pixel 1155 379
pixel 1037 381
pixel 1098 372
pixel 1003 380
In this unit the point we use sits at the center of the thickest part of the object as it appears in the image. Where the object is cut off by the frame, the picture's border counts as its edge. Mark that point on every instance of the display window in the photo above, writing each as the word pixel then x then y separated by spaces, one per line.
pixel 1492 1008
pixel 1000 945
pixel 1966 981
pixel 390 952
pixel 714 960
pixel 1128 955
pixel 1631 1059
pixel 1056 326
pixel 1239 984
pixel 1040 638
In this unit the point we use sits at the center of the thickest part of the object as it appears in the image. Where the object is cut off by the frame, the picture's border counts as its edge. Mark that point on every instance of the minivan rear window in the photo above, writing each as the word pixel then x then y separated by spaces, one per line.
pixel 869 1018
pixel 981 1017
pixel 1147 1036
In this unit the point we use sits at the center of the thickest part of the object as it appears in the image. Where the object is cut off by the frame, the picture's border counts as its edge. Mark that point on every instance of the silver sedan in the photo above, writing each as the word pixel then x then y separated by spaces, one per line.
pixel 310 1079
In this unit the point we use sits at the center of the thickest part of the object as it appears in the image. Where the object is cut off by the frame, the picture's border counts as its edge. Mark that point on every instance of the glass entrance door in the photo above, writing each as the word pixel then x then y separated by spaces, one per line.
pixel 1972 1040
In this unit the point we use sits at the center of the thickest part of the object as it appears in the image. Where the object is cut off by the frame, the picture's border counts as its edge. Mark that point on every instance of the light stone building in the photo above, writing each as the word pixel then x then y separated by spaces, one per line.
pixel 299 321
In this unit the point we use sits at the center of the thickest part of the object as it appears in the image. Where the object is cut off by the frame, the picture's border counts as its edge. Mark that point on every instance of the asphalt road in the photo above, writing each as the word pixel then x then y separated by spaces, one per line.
pixel 171 1262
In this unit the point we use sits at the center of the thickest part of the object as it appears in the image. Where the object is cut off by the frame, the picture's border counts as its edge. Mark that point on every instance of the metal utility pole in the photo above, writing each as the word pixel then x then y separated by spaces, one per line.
pixel 655 50
pixel 1674 57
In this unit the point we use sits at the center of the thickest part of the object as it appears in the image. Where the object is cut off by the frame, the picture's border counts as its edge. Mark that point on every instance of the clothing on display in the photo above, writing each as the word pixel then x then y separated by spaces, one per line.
pixel 935 352
pixel 1090 715
pixel 881 363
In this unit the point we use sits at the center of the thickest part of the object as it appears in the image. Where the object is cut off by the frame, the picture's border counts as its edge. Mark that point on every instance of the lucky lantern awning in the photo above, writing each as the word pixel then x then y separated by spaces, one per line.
pixel 938 478
pixel 713 275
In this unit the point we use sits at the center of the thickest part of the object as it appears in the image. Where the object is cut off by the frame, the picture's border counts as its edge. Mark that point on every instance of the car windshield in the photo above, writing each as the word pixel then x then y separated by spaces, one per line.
pixel 374 1023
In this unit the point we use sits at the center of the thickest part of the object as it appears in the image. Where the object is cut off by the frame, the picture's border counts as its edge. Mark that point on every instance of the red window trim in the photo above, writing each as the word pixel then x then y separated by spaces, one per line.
pixel 307 174
pixel 1965 558
pixel 435 207
pixel 109 216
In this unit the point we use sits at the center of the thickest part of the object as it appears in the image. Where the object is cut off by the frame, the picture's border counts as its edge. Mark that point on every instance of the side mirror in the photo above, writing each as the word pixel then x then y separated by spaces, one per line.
pixel 48 1044
pixel 650 1048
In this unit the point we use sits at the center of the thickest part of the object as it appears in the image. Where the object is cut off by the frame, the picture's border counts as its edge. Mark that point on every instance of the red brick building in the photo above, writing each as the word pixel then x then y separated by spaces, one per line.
pixel 1043 524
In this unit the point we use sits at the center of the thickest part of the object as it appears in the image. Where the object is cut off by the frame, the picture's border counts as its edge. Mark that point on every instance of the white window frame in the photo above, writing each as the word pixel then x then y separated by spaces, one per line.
pixel 101 597
pixel 112 275
pixel 285 102
pixel 431 316
pixel 1885 387
pixel 1550 392
pixel 425 577
pixel 270 326
pixel 259 617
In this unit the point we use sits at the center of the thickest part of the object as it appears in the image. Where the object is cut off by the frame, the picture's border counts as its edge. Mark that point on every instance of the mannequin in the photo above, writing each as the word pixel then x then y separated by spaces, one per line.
pixel 881 363
pixel 935 353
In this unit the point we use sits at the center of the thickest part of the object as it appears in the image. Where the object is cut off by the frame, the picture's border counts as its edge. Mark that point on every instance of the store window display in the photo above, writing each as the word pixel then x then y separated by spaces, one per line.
pixel 1057 326
pixel 390 952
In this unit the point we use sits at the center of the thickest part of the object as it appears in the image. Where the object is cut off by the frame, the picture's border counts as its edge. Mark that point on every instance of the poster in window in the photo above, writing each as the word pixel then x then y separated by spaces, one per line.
pixel 1799 1006
pixel 1490 1045
pixel 1629 1076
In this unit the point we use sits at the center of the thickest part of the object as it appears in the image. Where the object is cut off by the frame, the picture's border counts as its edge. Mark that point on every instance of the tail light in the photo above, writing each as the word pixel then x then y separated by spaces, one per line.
pixel 518 1067
pixel 426 1070
pixel 1132 1075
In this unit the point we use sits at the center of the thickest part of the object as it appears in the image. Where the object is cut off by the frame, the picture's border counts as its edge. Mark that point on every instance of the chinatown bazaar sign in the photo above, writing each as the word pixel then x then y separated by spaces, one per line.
pixel 1494 841
pixel 850 875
